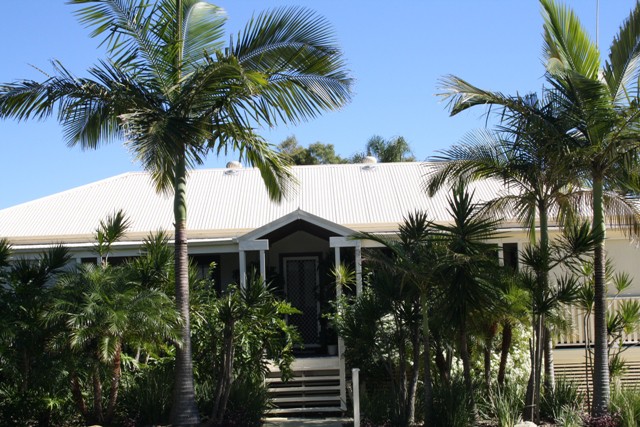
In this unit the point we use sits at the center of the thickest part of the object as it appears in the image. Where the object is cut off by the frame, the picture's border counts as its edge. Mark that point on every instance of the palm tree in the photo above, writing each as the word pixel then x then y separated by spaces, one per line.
pixel 176 92
pixel 103 311
pixel 391 150
pixel 99 310
pixel 414 255
pixel 601 104
pixel 524 153
pixel 468 287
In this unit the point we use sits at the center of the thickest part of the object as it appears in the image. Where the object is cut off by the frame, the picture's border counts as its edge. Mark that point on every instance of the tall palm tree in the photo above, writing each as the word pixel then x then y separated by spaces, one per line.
pixel 525 154
pixel 602 105
pixel 176 92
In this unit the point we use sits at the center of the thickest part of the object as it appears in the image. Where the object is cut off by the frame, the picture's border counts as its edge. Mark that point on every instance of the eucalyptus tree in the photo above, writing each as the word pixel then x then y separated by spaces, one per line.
pixel 177 91
pixel 601 104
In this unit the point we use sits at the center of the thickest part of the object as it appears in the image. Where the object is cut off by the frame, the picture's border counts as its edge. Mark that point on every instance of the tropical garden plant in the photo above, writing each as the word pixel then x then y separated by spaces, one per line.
pixel 600 106
pixel 100 314
pixel 390 150
pixel 175 91
pixel 32 387
pixel 412 258
pixel 235 333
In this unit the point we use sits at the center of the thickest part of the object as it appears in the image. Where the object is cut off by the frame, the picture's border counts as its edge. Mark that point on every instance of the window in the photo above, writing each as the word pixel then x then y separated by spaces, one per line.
pixel 510 255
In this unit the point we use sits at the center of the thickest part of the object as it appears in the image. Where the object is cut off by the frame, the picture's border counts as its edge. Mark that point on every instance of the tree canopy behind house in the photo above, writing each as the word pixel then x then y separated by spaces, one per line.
pixel 395 149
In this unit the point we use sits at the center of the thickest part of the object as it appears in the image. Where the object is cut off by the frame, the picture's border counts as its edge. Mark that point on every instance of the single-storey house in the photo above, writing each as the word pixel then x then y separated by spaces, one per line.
pixel 232 221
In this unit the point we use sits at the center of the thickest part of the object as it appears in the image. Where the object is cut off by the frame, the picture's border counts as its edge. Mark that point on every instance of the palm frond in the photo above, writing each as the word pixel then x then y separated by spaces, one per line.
pixel 623 65
pixel 294 48
pixel 203 31
pixel 567 44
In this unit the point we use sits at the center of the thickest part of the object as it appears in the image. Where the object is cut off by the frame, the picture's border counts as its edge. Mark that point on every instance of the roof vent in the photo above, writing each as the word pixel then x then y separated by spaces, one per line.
pixel 369 162
pixel 232 167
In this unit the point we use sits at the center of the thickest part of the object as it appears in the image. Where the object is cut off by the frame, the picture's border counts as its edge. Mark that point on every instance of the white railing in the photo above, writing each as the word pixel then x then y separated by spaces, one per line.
pixel 577 335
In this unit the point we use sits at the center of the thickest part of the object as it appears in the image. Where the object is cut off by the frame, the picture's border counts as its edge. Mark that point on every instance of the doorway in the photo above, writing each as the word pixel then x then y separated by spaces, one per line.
pixel 301 289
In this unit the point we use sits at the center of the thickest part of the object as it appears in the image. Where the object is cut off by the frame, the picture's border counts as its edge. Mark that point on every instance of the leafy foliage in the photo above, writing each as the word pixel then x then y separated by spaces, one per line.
pixel 233 334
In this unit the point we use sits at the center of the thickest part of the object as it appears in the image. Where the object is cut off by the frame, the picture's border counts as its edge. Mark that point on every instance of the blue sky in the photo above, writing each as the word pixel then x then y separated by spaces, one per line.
pixel 396 51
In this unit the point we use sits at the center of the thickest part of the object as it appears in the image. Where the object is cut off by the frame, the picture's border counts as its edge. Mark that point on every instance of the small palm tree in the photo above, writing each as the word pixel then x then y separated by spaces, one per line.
pixel 99 310
pixel 468 285
pixel 414 261
pixel 177 92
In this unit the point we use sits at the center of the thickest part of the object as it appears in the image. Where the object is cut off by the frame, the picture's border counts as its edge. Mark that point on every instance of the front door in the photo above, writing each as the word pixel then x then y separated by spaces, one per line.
pixel 301 285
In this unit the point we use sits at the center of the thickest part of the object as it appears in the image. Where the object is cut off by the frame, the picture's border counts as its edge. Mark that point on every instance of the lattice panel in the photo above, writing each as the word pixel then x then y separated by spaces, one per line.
pixel 301 292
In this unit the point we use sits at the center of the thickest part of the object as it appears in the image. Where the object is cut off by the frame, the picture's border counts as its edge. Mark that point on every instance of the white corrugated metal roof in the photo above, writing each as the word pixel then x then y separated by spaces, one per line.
pixel 222 204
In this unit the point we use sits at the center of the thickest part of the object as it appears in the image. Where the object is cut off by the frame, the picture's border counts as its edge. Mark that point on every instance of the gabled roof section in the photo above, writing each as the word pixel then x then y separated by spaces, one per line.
pixel 226 203
pixel 292 218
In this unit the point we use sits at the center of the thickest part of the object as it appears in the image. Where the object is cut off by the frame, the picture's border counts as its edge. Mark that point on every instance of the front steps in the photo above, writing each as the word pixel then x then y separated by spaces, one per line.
pixel 314 388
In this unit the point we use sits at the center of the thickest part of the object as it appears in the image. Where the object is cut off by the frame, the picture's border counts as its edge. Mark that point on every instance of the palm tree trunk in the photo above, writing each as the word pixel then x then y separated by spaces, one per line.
pixel 428 387
pixel 402 372
pixel 505 347
pixel 184 411
pixel 549 369
pixel 97 394
pixel 545 343
pixel 488 348
pixel 466 364
pixel 78 399
pixel 415 372
pixel 538 380
pixel 226 375
pixel 115 382
pixel 601 357
pixel 532 396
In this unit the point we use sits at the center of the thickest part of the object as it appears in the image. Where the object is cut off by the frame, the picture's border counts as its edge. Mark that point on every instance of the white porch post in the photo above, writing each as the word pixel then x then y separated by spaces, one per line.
pixel 337 243
pixel 243 269
pixel 263 266
pixel 358 268
pixel 337 263
pixel 343 242
pixel 261 245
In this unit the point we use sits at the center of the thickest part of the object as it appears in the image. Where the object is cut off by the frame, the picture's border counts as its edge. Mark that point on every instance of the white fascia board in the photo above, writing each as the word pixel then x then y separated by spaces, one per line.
pixel 132 248
pixel 254 245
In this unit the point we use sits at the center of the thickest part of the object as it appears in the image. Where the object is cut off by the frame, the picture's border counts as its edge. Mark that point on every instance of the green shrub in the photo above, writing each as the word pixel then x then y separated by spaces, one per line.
pixel 451 404
pixel 376 405
pixel 147 394
pixel 626 402
pixel 504 404
pixel 565 398
pixel 248 402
